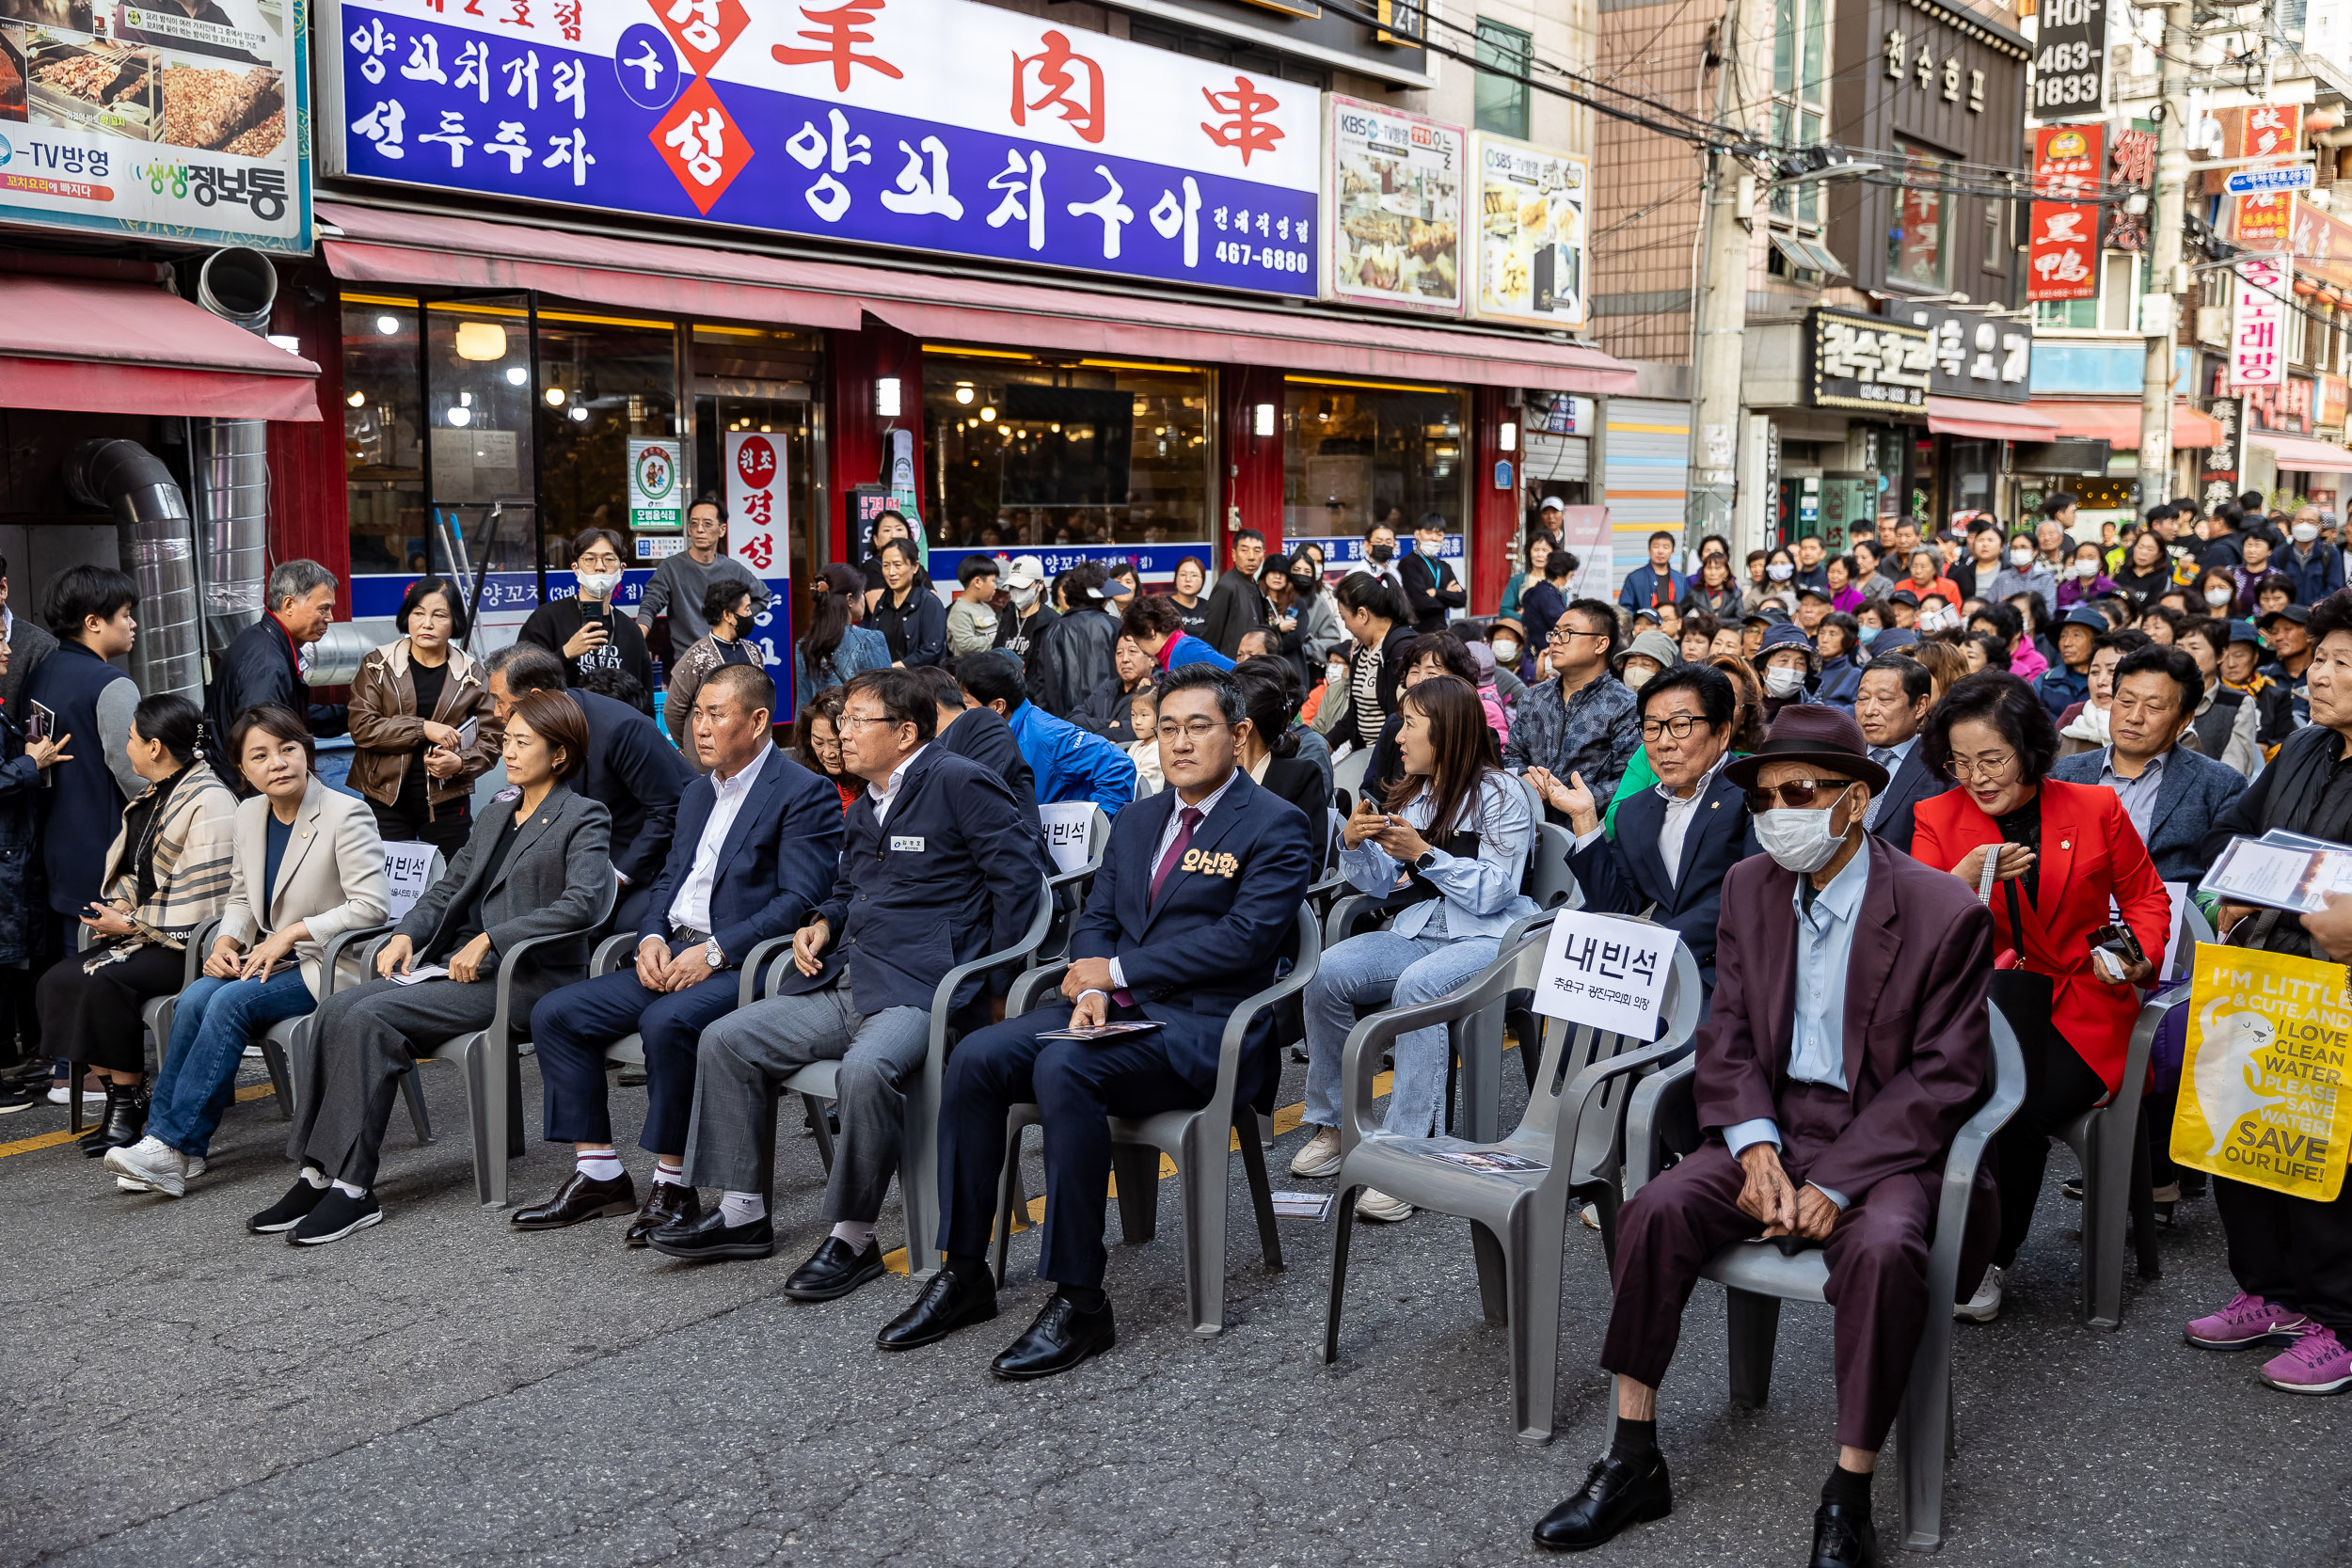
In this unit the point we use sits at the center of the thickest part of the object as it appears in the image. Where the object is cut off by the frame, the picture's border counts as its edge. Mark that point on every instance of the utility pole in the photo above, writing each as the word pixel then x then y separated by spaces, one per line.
pixel 2160 310
pixel 1721 303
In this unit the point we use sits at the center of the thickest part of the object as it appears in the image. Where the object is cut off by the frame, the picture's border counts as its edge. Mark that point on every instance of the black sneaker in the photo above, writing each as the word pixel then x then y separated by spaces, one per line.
pixel 338 1215
pixel 287 1212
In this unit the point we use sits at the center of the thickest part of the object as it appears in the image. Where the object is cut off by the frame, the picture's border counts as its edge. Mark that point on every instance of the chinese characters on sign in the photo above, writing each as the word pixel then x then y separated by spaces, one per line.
pixel 2062 239
pixel 2217 476
pixel 1865 362
pixel 930 124
pixel 2131 161
pixel 1531 233
pixel 656 499
pixel 2258 324
pixel 1396 186
pixel 2286 406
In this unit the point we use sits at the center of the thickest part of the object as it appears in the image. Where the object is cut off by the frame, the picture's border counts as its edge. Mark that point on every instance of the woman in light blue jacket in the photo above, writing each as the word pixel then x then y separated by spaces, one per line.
pixel 836 647
pixel 1454 892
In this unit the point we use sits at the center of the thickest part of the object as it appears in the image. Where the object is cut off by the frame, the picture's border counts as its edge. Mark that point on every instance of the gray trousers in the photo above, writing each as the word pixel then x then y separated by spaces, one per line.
pixel 746 1055
pixel 351 1059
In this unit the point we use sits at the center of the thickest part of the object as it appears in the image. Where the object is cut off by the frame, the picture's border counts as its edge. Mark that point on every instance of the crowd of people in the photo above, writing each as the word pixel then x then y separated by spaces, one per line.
pixel 1866 789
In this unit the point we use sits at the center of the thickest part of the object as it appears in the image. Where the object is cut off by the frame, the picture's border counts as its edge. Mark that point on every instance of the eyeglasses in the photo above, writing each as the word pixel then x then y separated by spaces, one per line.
pixel 1799 794
pixel 1679 726
pixel 1561 633
pixel 857 721
pixel 1197 729
pixel 1987 768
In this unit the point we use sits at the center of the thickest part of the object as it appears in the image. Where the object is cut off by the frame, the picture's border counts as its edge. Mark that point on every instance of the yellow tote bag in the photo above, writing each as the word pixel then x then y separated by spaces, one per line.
pixel 2262 1097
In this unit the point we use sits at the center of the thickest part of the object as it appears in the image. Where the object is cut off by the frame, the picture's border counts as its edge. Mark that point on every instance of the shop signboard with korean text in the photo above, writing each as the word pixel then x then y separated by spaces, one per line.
pixel 2070 58
pixel 1971 355
pixel 1397 185
pixel 756 535
pixel 1862 361
pixel 935 125
pixel 1532 209
pixel 2258 323
pixel 2062 236
pixel 656 490
pixel 2264 219
pixel 133 119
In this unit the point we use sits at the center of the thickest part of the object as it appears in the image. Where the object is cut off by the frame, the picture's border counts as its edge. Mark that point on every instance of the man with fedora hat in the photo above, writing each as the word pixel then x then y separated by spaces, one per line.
pixel 1846 1046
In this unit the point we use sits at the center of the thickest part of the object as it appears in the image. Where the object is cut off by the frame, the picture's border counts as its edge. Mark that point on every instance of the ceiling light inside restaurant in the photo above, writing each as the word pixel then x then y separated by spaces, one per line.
pixel 388 325
pixel 554 396
pixel 963 391
pixel 461 416
pixel 518 374
pixel 579 413
pixel 358 400
pixel 481 340
pixel 987 414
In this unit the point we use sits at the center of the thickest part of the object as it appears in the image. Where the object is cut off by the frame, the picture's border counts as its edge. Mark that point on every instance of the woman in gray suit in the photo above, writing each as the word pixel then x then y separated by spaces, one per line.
pixel 538 864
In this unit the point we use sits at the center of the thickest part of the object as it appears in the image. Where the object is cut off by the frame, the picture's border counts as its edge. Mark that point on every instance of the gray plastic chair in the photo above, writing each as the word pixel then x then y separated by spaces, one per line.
pixel 1200 1142
pixel 1347 775
pixel 2110 1146
pixel 1757 1276
pixel 154 1013
pixel 1518 1219
pixel 918 1149
pixel 1066 891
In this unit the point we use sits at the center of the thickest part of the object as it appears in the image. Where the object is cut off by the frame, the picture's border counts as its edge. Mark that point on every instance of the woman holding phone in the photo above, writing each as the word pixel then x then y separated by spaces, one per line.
pixel 584 629
pixel 419 710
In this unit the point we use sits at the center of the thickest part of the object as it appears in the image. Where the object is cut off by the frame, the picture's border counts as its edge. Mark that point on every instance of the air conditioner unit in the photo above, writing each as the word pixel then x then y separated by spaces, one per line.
pixel 2213 324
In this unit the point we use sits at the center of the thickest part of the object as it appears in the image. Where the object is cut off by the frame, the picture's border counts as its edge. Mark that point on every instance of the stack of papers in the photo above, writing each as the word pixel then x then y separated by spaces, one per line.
pixel 2281 871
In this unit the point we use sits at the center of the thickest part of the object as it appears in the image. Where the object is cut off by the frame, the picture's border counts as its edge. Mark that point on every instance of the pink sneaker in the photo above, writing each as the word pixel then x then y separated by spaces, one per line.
pixel 2245 1323
pixel 2317 1363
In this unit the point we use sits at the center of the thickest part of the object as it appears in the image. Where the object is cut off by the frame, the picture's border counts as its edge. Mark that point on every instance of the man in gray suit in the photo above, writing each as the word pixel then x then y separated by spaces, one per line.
pixel 2172 795
pixel 28 644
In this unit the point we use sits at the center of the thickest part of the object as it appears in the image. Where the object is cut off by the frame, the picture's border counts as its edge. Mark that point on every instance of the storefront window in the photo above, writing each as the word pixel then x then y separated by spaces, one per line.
pixel 1023 456
pixel 383 434
pixel 478 403
pixel 755 381
pixel 1918 244
pixel 1357 454
pixel 1973 469
pixel 618 378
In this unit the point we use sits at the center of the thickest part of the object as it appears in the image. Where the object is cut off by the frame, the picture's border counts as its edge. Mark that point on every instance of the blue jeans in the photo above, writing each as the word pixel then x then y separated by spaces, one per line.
pixel 210 1028
pixel 1380 968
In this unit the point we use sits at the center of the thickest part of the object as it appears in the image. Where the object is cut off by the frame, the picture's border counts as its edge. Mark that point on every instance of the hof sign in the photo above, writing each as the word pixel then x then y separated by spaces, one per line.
pixel 1606 972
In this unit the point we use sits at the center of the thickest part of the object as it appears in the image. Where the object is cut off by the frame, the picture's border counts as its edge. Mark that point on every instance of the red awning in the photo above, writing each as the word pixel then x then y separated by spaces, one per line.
pixel 2300 455
pixel 420 249
pixel 130 348
pixel 2116 422
pixel 1988 421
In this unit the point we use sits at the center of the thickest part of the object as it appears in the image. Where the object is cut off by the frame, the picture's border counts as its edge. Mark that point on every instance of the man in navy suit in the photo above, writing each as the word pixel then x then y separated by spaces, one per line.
pixel 1674 840
pixel 1199 889
pixel 631 768
pixel 940 865
pixel 758 837
pixel 1890 705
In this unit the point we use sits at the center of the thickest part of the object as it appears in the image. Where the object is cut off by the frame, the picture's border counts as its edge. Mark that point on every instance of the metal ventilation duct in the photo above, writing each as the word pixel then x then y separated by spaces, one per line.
pixel 231 459
pixel 152 524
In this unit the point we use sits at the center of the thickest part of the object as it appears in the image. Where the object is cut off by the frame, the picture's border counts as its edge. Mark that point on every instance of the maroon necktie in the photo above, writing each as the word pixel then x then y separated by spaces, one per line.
pixel 1175 852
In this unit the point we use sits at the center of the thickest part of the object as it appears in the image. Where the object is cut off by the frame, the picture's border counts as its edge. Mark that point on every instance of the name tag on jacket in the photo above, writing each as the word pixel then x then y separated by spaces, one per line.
pixel 907 842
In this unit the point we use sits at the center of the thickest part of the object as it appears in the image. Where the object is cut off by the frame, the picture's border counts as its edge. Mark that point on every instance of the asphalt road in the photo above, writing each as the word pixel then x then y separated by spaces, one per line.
pixel 439 1389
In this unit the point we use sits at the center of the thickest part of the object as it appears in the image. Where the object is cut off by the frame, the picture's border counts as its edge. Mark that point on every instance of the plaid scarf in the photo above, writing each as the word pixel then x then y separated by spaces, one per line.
pixel 195 847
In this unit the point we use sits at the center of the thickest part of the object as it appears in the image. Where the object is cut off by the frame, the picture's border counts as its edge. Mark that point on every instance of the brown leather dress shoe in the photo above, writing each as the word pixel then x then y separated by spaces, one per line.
pixel 580 1198
pixel 667 1203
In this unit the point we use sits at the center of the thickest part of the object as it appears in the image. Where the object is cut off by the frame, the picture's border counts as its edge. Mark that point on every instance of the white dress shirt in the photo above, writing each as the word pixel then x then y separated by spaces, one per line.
pixel 690 908
pixel 886 795
pixel 1168 838
pixel 1680 812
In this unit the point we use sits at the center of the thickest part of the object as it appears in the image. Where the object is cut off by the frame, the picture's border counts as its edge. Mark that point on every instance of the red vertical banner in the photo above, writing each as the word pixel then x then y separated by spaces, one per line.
pixel 1494 519
pixel 1253 461
pixel 2062 239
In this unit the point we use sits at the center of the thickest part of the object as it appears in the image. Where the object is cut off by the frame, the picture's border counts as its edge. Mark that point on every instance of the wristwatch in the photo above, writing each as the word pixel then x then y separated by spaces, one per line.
pixel 1428 858
pixel 711 954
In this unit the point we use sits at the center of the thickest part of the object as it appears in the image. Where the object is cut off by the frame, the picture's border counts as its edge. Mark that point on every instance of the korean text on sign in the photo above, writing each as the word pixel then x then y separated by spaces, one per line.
pixel 1607 973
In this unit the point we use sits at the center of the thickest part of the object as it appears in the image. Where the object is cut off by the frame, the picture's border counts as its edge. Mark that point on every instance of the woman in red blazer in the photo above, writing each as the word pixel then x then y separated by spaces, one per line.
pixel 2067 850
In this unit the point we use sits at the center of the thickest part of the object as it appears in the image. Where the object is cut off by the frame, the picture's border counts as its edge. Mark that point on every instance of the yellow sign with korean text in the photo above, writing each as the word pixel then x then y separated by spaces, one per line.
pixel 2262 1081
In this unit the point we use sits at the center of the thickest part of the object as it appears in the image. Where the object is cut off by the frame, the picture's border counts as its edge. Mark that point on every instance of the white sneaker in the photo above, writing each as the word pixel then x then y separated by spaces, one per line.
pixel 1376 1205
pixel 124 1184
pixel 60 1095
pixel 154 1164
pixel 1985 1304
pixel 1320 1155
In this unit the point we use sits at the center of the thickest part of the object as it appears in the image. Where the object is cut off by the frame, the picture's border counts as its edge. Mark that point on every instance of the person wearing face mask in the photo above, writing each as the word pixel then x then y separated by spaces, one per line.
pixel 584 629
pixel 2085 577
pixel 2068 681
pixel 2217 591
pixel 1778 588
pixel 2313 564
pixel 1316 621
pixel 1380 555
pixel 1432 592
pixel 1786 662
pixel 2051 859
pixel 2024 572
pixel 1650 655
pixel 1846 1046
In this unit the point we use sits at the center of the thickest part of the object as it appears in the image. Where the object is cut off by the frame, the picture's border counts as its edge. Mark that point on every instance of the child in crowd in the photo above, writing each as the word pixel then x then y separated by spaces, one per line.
pixel 1144 707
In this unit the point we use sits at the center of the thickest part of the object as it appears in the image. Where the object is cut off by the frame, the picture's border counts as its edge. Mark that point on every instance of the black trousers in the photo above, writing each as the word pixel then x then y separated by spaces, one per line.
pixel 2291 1250
pixel 94 1019
pixel 447 830
pixel 2059 1086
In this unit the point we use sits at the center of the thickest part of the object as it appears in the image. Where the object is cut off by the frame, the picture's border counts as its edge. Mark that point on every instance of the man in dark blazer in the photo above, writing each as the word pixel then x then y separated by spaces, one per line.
pixel 28 644
pixel 1694 816
pixel 1236 605
pixel 939 865
pixel 632 768
pixel 264 666
pixel 978 735
pixel 1846 1047
pixel 1200 888
pixel 1890 705
pixel 758 837
pixel 2172 795
pixel 1431 588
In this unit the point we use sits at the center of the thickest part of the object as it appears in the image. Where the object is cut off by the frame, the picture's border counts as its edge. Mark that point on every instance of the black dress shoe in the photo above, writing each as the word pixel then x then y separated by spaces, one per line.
pixel 710 1237
pixel 1844 1537
pixel 1064 1334
pixel 949 1302
pixel 1619 1491
pixel 668 1203
pixel 580 1198
pixel 834 1269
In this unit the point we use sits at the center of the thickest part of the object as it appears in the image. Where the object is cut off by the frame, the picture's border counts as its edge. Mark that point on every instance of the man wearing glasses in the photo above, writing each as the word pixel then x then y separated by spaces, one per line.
pixel 1581 721
pixel 1846 1047
pixel 939 865
pixel 1198 894
pixel 1673 842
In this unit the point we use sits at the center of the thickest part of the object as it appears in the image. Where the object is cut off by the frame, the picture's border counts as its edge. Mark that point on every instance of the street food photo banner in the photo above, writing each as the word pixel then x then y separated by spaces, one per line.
pixel 933 125
pixel 129 119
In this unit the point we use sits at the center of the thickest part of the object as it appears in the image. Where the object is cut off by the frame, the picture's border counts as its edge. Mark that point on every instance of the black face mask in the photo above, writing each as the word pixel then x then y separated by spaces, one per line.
pixel 1300 583
pixel 1381 553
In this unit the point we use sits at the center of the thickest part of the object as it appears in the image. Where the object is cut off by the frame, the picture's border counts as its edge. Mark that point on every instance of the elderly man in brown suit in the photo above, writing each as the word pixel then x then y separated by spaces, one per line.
pixel 1846 1047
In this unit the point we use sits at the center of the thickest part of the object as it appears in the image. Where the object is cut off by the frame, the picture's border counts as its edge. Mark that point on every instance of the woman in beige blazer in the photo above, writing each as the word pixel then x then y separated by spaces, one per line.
pixel 308 865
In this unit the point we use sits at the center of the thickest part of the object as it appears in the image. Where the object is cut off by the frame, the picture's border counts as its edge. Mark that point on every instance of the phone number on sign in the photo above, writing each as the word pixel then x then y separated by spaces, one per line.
pixel 1238 254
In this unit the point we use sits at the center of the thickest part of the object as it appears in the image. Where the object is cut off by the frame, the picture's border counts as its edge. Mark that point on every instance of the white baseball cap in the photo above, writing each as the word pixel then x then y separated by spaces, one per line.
pixel 1025 568
pixel 1552 503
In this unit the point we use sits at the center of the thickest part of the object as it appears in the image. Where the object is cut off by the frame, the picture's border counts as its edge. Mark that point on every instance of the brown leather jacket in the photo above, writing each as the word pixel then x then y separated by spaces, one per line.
pixel 386 729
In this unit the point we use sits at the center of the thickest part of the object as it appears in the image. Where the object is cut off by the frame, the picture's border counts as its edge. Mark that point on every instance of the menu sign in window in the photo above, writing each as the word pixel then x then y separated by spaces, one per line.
pixel 1531 233
pixel 1394 195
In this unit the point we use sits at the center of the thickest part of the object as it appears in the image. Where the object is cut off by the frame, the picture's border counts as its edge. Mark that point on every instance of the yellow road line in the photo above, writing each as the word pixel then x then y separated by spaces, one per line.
pixel 51 1140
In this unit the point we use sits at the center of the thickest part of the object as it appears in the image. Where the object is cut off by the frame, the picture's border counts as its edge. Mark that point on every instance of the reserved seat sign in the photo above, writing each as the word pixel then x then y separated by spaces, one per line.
pixel 1606 971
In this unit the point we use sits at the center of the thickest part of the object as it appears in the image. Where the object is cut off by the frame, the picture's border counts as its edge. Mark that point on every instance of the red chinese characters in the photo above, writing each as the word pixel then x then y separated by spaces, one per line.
pixel 2062 239
pixel 838 31
pixel 1069 83
pixel 1243 127
pixel 701 143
